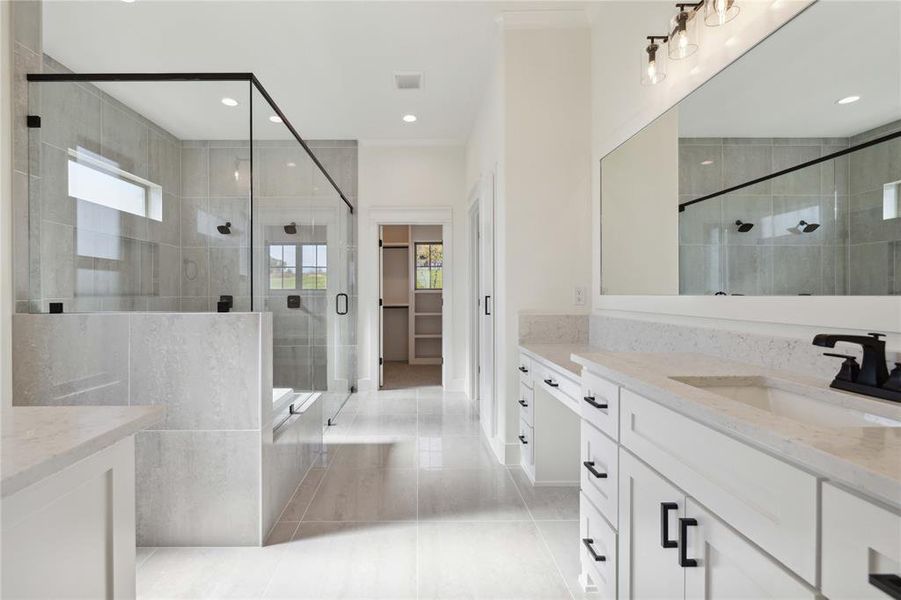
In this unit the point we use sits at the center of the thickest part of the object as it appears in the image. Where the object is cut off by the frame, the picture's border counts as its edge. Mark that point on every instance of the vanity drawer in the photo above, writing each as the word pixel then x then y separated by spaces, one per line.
pixel 557 384
pixel 860 539
pixel 526 446
pixel 771 502
pixel 525 370
pixel 597 539
pixel 602 457
pixel 599 403
pixel 526 405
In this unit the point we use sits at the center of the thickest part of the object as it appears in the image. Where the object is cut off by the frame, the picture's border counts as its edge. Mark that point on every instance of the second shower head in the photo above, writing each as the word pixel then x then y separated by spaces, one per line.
pixel 806 227
pixel 744 227
pixel 224 229
pixel 291 228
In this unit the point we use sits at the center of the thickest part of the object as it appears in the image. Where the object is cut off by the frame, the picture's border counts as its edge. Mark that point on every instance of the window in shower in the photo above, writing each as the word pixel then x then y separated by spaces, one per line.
pixel 95 179
pixel 314 264
pixel 283 267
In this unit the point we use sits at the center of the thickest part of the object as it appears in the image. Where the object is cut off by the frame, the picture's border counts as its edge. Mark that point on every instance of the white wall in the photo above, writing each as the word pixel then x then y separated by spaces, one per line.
pixel 639 220
pixel 410 176
pixel 532 130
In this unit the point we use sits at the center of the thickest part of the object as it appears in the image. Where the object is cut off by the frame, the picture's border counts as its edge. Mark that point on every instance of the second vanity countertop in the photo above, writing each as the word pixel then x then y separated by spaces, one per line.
pixel 39 441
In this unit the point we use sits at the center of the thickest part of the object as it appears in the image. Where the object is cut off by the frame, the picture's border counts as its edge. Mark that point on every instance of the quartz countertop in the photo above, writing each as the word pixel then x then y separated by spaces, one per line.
pixel 867 459
pixel 39 441
pixel 560 354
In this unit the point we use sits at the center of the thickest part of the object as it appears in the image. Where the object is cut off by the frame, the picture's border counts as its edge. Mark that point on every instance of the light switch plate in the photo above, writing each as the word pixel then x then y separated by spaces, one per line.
pixel 579 296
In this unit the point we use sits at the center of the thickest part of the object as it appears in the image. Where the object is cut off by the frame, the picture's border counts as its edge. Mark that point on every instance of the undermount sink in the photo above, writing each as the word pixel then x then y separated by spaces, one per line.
pixel 826 408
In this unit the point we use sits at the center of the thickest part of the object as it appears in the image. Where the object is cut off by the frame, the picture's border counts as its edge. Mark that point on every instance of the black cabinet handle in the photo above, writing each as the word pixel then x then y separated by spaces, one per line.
pixel 550 382
pixel 684 524
pixel 523 403
pixel 589 544
pixel 338 303
pixel 590 400
pixel 589 464
pixel 888 583
pixel 523 370
pixel 522 439
pixel 665 507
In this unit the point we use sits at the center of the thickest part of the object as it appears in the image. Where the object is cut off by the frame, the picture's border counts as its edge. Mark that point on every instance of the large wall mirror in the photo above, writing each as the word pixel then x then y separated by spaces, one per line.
pixel 781 176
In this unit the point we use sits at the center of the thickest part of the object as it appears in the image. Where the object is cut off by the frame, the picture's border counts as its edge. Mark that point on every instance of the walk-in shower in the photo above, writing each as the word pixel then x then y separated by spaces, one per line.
pixel 171 192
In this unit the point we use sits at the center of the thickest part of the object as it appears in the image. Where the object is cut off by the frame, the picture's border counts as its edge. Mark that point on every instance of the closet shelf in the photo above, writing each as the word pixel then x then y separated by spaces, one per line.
pixel 427 335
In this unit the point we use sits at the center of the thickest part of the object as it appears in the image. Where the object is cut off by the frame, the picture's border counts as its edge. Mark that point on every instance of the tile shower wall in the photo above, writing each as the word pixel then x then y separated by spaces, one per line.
pixel 856 250
pixel 88 256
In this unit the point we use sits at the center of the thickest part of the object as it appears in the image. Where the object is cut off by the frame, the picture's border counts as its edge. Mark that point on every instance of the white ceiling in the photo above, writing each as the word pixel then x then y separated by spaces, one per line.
pixel 788 85
pixel 329 65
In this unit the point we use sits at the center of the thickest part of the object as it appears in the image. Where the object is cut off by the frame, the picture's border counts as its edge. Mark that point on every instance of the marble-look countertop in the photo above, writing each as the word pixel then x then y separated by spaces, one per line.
pixel 560 354
pixel 867 459
pixel 39 441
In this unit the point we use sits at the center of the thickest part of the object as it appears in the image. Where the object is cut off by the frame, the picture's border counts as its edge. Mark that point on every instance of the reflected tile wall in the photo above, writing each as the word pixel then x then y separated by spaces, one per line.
pixel 774 257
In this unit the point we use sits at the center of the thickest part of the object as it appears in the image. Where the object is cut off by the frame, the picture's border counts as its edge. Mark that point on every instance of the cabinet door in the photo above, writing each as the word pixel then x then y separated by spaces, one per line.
pixel 649 512
pixel 720 563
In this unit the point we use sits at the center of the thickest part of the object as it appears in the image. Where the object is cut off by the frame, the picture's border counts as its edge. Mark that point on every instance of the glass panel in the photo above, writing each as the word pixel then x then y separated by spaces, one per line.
pixel 321 256
pixel 437 255
pixel 144 197
pixel 437 278
pixel 309 255
pixel 422 278
pixel 422 255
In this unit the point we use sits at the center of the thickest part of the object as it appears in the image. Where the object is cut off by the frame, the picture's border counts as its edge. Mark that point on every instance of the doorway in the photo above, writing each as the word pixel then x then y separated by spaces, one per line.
pixel 411 305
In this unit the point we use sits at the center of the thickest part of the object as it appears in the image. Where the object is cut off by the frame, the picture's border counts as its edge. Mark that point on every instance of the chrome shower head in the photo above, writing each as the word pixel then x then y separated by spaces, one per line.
pixel 744 227
pixel 806 227
pixel 291 228
pixel 224 229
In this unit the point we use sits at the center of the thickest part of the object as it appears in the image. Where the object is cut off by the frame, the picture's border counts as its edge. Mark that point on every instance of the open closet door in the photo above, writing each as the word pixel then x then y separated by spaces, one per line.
pixel 381 380
pixel 487 394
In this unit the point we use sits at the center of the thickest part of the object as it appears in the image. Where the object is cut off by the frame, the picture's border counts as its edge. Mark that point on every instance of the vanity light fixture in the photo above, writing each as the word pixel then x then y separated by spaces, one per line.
pixel 653 67
pixel 275 119
pixel 231 102
pixel 720 12
pixel 409 118
pixel 744 227
pixel 683 37
pixel 848 100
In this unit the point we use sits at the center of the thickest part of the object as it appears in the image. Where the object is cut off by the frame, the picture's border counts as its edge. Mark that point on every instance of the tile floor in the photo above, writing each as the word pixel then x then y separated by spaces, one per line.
pixel 408 503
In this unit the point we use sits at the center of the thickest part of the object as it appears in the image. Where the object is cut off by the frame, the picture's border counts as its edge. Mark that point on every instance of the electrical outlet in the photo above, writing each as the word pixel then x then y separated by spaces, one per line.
pixel 579 296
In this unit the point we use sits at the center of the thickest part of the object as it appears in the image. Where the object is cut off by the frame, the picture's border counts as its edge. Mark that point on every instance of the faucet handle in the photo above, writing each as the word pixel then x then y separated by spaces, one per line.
pixel 850 369
pixel 894 379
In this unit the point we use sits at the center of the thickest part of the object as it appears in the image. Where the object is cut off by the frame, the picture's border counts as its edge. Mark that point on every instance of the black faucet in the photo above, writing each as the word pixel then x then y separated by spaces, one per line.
pixel 871 377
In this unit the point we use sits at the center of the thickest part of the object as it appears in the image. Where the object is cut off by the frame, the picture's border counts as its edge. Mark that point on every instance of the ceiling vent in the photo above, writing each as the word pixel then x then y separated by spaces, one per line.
pixel 408 81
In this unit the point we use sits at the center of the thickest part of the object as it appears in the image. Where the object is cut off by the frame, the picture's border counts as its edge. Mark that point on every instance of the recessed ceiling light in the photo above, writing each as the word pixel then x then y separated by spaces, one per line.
pixel 275 119
pixel 292 164
pixel 707 162
pixel 128 1
pixel 229 101
pixel 848 100
pixel 409 118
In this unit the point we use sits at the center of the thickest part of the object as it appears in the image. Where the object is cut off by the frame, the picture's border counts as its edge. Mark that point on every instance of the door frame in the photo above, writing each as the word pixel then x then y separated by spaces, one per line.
pixel 473 242
pixel 369 293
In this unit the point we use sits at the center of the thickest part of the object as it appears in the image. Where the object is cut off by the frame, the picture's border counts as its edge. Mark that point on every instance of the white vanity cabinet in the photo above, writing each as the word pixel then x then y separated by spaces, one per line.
pixel 861 547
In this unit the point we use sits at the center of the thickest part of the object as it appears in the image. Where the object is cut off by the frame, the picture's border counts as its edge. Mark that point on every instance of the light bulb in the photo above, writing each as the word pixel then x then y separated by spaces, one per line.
pixel 652 71
pixel 719 8
pixel 237 175
pixel 720 12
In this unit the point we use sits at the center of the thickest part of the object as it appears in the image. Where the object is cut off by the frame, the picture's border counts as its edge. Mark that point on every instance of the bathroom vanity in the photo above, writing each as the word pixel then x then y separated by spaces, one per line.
pixel 68 493
pixel 701 476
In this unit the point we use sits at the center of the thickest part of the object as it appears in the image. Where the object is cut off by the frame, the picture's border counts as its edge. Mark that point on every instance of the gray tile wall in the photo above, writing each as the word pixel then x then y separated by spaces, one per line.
pixel 201 472
pixel 852 252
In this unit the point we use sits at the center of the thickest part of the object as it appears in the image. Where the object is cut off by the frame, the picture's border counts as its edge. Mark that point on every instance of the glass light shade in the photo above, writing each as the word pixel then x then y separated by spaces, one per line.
pixel 653 64
pixel 683 39
pixel 720 12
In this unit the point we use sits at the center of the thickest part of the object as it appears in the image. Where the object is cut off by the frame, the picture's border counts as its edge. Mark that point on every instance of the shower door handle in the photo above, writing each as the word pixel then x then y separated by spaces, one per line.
pixel 338 303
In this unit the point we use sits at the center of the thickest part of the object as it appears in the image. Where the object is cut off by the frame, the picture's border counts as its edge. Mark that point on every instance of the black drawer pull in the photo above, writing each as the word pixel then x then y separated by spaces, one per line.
pixel 523 370
pixel 523 404
pixel 551 383
pixel 665 542
pixel 522 439
pixel 589 544
pixel 589 464
pixel 590 400
pixel 684 561
pixel 888 583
